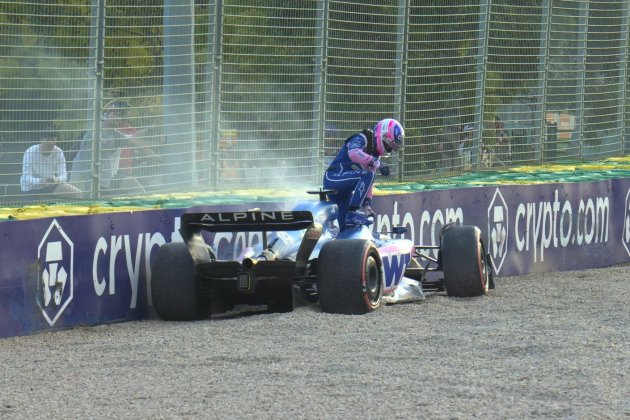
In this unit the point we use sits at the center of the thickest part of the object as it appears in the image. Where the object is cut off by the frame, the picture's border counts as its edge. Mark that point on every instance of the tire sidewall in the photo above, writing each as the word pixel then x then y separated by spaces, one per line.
pixel 342 276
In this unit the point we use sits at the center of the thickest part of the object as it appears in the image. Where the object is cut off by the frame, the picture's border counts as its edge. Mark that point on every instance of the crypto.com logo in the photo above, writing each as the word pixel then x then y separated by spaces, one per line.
pixel 56 261
pixel 497 230
pixel 626 224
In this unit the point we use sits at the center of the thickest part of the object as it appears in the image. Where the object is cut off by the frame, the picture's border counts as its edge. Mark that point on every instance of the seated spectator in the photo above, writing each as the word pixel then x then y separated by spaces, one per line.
pixel 503 142
pixel 44 170
pixel 116 135
pixel 465 146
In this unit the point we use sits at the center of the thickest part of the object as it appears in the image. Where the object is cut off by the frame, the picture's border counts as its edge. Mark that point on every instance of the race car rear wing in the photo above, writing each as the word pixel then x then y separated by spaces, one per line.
pixel 248 221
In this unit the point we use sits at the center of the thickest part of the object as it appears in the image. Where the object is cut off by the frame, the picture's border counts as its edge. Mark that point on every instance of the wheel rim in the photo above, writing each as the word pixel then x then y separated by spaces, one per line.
pixel 372 280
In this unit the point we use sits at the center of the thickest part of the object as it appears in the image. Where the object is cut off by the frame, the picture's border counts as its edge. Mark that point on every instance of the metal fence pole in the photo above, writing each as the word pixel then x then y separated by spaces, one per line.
pixel 320 82
pixel 482 62
pixel 623 76
pixel 402 26
pixel 545 41
pixel 179 95
pixel 581 62
pixel 97 53
pixel 215 116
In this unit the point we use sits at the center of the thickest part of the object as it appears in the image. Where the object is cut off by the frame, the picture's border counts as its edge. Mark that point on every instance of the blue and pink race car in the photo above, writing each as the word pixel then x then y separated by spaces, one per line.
pixel 303 257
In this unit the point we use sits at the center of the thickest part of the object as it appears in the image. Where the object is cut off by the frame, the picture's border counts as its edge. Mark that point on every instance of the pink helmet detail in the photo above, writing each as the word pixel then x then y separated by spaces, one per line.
pixel 389 135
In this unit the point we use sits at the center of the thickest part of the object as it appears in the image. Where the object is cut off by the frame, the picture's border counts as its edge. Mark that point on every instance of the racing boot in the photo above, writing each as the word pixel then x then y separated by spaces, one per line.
pixel 367 208
pixel 356 218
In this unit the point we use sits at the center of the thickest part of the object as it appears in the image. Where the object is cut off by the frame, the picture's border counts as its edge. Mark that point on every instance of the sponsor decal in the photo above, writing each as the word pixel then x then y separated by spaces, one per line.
pixel 541 225
pixel 426 230
pixel 361 188
pixel 55 254
pixel 626 224
pixel 249 216
pixel 498 222
pixel 394 265
pixel 395 258
pixel 133 251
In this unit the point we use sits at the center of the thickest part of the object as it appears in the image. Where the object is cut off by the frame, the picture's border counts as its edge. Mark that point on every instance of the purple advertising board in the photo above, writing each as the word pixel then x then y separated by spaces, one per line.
pixel 528 228
pixel 84 270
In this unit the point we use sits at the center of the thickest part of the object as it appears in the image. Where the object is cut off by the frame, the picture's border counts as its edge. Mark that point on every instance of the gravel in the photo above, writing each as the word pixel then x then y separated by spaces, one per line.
pixel 552 345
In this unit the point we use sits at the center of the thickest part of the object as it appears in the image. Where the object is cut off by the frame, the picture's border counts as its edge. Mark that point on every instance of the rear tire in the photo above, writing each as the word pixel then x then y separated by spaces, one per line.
pixel 464 265
pixel 349 277
pixel 175 286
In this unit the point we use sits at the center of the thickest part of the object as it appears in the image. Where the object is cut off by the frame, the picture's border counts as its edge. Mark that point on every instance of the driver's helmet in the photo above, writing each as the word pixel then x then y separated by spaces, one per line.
pixel 389 135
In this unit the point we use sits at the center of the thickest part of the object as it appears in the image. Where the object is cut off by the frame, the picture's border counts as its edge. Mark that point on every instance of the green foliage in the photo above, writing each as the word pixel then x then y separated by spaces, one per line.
pixel 43 64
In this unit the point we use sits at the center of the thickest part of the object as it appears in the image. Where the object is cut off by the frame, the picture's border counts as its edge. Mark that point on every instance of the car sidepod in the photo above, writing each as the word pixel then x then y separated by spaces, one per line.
pixel 396 255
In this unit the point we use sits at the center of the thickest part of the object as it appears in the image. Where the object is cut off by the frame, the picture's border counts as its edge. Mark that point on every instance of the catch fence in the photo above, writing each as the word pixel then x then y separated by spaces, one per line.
pixel 221 94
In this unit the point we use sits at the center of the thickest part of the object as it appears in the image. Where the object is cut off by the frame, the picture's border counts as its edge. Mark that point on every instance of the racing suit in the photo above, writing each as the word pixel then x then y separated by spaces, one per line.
pixel 352 174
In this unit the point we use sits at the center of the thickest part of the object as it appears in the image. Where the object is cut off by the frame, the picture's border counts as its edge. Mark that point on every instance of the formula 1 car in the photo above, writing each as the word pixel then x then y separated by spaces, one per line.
pixel 303 252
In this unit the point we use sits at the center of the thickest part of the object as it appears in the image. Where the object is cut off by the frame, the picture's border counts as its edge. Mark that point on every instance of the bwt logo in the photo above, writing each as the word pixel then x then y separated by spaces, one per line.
pixel 498 229
pixel 626 224
pixel 56 260
pixel 394 265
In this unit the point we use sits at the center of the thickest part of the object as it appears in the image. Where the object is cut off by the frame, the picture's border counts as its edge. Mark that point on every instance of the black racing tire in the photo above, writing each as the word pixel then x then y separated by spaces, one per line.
pixel 463 255
pixel 349 277
pixel 175 286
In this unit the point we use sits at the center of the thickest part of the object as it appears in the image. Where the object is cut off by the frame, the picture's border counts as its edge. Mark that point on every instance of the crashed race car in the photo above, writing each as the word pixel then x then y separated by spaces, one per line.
pixel 303 257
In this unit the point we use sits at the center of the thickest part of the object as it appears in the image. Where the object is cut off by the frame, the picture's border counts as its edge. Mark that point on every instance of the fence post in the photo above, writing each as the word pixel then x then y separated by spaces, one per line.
pixel 582 39
pixel 320 81
pixel 402 26
pixel 544 69
pixel 623 76
pixel 482 63
pixel 179 92
pixel 215 117
pixel 97 59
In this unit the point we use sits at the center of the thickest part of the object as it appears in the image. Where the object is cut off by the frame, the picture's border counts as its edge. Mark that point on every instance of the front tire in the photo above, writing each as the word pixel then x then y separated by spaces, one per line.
pixel 463 254
pixel 175 286
pixel 349 277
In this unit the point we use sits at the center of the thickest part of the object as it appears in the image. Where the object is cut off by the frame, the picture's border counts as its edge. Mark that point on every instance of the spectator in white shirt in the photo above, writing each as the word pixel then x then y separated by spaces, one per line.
pixel 44 170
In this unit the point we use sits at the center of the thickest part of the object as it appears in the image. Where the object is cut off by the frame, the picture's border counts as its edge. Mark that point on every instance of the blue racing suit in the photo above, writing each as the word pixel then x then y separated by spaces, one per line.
pixel 352 174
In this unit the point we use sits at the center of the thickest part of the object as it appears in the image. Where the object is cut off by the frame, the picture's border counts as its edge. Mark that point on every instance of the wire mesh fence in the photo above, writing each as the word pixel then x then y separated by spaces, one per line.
pixel 136 97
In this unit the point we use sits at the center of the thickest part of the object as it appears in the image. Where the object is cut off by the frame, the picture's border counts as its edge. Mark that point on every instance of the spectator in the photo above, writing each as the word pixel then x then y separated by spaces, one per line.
pixel 451 136
pixel 44 169
pixel 503 141
pixel 465 147
pixel 228 155
pixel 116 134
pixel 551 142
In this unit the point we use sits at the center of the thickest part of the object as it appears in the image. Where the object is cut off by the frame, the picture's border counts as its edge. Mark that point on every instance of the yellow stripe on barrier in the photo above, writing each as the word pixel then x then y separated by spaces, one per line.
pixel 541 174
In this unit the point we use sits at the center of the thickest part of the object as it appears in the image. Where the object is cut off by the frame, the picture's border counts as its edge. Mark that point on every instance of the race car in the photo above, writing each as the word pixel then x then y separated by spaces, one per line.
pixel 303 256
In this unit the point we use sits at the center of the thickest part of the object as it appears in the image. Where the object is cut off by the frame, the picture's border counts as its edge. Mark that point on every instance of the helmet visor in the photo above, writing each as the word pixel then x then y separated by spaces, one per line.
pixel 391 145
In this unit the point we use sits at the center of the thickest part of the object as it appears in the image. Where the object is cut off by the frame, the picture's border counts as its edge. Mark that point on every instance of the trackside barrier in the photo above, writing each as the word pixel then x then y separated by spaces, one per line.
pixel 83 270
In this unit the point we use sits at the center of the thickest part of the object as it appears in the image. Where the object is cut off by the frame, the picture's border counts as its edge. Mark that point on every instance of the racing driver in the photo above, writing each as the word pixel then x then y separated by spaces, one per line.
pixel 353 170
